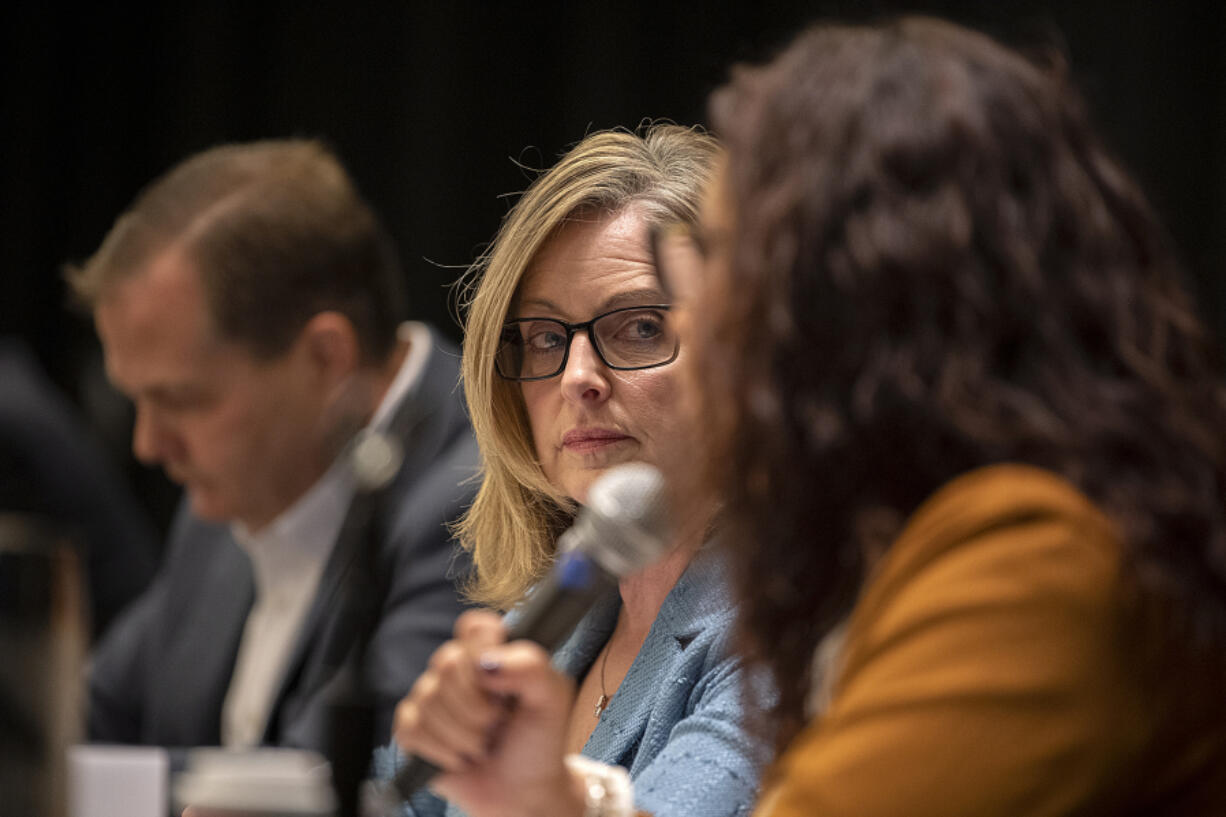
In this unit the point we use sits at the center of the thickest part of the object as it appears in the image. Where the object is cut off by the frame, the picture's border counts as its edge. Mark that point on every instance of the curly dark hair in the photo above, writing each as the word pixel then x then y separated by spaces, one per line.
pixel 936 265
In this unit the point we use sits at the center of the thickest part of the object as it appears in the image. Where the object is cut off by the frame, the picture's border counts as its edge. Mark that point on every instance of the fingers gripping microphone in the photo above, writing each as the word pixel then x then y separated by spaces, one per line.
pixel 622 529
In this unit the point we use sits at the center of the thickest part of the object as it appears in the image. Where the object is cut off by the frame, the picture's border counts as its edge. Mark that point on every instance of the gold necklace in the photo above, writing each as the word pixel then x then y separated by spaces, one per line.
pixel 603 700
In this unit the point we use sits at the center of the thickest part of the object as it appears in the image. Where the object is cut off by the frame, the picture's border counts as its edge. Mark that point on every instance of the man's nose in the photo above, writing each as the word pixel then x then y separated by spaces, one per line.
pixel 148 436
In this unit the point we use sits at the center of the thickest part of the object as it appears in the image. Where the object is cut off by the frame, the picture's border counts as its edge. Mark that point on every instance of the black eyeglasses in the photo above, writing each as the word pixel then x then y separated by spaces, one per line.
pixel 633 337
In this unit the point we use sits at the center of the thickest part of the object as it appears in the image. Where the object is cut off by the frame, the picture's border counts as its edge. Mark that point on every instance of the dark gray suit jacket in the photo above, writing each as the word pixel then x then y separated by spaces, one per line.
pixel 161 674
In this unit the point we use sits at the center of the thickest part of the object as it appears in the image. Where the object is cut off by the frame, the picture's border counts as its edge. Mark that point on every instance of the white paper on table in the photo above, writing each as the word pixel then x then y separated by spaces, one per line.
pixel 117 781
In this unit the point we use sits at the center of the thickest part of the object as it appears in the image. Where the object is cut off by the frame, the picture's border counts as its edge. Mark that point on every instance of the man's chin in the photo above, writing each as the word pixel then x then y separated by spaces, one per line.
pixel 209 507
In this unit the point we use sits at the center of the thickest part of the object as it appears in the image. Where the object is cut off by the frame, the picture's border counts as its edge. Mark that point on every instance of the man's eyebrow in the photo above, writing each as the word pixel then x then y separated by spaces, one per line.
pixel 171 391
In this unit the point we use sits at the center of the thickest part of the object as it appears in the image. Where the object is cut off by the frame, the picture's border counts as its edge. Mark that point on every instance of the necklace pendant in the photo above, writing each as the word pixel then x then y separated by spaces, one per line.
pixel 601 703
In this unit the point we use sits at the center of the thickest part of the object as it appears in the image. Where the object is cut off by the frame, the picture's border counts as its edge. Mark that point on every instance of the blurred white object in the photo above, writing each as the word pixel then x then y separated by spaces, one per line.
pixel 117 781
pixel 271 782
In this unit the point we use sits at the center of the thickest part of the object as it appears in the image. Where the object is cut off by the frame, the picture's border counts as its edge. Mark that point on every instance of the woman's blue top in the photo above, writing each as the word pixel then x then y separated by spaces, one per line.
pixel 677 721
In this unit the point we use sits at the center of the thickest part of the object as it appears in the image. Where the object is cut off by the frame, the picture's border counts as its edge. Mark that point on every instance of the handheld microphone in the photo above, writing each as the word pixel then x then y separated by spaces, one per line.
pixel 622 529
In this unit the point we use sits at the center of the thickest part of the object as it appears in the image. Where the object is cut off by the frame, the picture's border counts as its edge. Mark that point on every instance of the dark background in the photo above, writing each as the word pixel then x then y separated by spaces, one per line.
pixel 435 106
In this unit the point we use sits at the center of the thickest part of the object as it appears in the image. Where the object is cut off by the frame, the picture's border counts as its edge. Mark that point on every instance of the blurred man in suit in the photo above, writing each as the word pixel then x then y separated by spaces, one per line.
pixel 249 303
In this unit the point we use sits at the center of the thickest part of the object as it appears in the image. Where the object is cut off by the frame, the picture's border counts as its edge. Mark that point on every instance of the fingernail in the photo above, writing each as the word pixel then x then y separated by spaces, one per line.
pixel 489 663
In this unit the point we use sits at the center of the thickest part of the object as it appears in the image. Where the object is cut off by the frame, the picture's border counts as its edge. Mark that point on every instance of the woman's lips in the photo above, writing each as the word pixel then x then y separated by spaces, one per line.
pixel 591 439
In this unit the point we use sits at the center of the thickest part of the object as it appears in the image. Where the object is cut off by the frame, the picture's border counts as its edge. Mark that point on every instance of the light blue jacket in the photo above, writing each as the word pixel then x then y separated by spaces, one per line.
pixel 677 722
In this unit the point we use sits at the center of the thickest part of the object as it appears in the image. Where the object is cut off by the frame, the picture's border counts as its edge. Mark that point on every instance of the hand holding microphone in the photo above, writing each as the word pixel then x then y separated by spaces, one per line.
pixel 457 717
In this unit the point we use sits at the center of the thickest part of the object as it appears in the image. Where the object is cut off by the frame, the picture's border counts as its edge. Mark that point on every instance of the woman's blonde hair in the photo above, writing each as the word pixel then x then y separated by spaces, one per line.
pixel 513 524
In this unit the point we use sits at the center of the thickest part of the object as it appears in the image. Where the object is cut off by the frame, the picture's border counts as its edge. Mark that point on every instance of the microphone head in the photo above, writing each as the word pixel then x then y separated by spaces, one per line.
pixel 628 518
pixel 374 459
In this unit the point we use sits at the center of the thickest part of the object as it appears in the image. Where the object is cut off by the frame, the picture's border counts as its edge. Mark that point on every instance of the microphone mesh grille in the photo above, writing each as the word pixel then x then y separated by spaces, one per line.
pixel 627 507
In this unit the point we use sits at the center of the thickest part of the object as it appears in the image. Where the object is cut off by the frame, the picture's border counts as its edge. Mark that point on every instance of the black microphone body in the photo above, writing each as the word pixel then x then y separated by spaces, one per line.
pixel 622 530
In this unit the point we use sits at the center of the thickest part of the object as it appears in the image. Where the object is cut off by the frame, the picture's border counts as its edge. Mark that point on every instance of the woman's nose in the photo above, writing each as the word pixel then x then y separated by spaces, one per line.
pixel 585 378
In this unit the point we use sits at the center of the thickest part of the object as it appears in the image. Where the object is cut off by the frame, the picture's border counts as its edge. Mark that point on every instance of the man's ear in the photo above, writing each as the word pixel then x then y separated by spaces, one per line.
pixel 331 345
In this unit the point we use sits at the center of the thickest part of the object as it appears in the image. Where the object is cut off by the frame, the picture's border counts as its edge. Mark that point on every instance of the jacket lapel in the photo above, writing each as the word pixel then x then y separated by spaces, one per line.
pixel 659 665
pixel 325 638
pixel 197 657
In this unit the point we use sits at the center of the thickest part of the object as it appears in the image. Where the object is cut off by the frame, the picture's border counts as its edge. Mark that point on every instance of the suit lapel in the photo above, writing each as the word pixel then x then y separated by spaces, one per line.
pixel 326 636
pixel 212 598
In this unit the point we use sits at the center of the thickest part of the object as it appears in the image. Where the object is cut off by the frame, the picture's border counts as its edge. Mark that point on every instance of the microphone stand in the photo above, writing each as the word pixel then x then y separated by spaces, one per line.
pixel 375 458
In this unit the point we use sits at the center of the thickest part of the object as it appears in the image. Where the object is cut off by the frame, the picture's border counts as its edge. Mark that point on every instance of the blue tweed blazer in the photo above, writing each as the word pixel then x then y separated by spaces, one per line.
pixel 677 722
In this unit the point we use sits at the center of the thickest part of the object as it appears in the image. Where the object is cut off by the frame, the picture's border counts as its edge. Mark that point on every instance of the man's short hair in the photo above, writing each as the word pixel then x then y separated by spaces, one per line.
pixel 278 233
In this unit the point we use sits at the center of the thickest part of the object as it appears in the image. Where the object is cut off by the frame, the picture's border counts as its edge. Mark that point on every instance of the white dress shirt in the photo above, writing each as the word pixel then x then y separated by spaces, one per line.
pixel 287 557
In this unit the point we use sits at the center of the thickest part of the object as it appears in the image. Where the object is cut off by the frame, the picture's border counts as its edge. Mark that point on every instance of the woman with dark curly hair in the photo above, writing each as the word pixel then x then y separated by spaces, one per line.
pixel 970 436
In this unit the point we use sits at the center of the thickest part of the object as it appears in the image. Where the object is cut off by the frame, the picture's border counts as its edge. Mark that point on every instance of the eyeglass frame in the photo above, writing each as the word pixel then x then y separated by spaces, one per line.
pixel 571 329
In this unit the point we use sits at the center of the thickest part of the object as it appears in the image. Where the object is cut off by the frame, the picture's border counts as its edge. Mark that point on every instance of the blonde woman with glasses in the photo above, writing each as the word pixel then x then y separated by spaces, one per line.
pixel 571 368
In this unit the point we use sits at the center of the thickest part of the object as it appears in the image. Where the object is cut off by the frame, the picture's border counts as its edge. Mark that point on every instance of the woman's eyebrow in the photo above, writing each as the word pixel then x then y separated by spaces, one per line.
pixel 544 303
pixel 635 297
